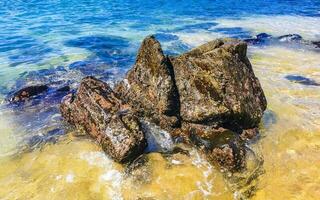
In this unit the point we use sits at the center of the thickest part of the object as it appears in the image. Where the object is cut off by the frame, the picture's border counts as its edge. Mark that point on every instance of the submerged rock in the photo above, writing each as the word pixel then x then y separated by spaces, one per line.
pixel 290 38
pixel 217 85
pixel 149 86
pixel 27 93
pixel 230 156
pixel 96 109
pixel 302 80
pixel 316 44
pixel 259 39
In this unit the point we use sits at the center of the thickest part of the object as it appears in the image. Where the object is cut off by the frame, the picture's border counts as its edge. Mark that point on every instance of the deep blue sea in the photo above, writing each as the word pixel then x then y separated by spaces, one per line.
pixel 58 42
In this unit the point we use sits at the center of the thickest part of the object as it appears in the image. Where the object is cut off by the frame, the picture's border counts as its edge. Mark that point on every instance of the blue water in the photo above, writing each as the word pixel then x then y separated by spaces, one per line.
pixel 58 42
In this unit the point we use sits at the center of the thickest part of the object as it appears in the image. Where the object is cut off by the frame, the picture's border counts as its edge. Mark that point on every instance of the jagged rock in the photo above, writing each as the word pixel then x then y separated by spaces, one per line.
pixel 28 92
pixel 149 86
pixel 217 85
pixel 96 109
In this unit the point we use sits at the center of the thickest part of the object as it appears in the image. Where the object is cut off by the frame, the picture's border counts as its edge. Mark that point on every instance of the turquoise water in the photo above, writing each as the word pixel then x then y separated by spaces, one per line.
pixel 58 42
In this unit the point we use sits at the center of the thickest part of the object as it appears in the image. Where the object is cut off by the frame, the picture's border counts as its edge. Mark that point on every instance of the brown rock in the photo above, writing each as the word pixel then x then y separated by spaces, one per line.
pixel 229 156
pixel 217 86
pixel 149 86
pixel 28 92
pixel 96 109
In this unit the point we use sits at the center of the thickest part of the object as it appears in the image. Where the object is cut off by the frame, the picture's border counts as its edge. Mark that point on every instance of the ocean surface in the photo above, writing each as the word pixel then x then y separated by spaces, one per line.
pixel 58 42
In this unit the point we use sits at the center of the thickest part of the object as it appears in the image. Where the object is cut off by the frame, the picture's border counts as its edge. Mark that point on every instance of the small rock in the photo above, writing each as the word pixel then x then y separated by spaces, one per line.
pixel 290 38
pixel 229 156
pixel 316 44
pixel 28 92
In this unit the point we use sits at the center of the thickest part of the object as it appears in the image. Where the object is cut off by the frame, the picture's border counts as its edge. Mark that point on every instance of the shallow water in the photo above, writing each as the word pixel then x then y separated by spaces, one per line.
pixel 59 42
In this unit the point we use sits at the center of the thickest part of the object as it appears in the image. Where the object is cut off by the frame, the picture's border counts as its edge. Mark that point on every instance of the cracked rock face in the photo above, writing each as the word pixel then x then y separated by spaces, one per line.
pixel 149 86
pixel 217 85
pixel 96 109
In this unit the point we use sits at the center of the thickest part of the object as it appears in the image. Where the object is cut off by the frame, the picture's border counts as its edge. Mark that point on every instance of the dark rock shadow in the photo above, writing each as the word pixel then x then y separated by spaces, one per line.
pixel 107 52
pixel 25 50
pixel 108 49
pixel 302 80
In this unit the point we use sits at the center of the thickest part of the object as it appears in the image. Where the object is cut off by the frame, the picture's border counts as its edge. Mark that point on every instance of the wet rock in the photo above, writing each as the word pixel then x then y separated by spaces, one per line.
pixel 290 38
pixel 28 92
pixel 217 86
pixel 259 39
pixel 230 156
pixel 149 86
pixel 263 36
pixel 208 96
pixel 249 134
pixel 316 44
pixel 96 109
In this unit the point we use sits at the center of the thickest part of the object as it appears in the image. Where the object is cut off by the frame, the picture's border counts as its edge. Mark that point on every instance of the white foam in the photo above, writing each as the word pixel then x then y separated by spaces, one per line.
pixel 204 186
pixel 114 178
pixel 70 178
pixel 110 176
pixel 96 158
pixel 307 27
pixel 198 38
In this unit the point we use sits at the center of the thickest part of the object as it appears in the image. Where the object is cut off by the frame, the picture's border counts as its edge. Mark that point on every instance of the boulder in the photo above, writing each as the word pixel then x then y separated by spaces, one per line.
pixel 208 96
pixel 96 109
pixel 28 92
pixel 149 86
pixel 217 85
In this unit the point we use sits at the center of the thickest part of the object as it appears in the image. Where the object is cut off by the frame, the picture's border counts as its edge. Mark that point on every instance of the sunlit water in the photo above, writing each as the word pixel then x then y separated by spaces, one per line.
pixel 59 42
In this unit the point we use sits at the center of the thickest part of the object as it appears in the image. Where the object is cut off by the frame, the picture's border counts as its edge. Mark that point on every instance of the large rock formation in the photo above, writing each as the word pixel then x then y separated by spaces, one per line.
pixel 149 86
pixel 209 96
pixel 96 109
pixel 217 85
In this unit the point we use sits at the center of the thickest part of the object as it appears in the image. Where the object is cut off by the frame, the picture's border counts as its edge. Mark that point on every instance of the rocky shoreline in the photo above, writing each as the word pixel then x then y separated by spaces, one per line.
pixel 208 97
